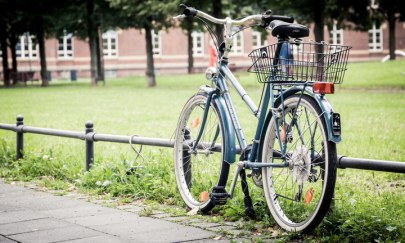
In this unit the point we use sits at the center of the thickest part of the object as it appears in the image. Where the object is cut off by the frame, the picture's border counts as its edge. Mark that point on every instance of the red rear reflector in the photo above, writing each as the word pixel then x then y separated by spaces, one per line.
pixel 323 88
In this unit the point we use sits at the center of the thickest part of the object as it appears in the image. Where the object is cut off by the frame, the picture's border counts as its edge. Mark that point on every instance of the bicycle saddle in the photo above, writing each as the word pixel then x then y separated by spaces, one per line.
pixel 284 29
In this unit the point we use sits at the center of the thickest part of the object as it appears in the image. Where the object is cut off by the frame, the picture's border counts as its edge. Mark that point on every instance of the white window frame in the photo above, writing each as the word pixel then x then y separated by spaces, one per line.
pixel 108 38
pixel 31 52
pixel 374 45
pixel 335 35
pixel 156 43
pixel 198 43
pixel 66 52
pixel 237 49
pixel 256 37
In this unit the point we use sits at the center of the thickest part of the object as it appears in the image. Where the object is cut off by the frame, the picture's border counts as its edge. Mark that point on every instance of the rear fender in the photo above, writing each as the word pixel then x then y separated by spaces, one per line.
pixel 323 103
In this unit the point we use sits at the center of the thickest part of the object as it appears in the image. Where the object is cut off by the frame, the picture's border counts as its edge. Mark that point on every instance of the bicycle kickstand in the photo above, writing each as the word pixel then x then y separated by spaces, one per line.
pixel 249 211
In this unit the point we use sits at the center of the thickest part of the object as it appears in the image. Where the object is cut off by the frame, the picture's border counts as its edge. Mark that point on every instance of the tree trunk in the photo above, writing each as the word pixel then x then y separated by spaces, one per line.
pixel 4 53
pixel 217 12
pixel 42 53
pixel 150 68
pixel 391 29
pixel 319 22
pixel 92 32
pixel 190 46
pixel 100 58
pixel 13 43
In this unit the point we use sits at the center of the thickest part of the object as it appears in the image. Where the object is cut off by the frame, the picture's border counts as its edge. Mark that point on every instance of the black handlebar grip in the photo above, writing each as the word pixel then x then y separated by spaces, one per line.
pixel 267 19
pixel 189 11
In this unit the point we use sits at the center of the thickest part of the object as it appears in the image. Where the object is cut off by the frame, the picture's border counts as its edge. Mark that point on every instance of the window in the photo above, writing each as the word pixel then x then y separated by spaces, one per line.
pixel 198 43
pixel 336 36
pixel 256 39
pixel 110 44
pixel 26 47
pixel 237 46
pixel 65 46
pixel 156 43
pixel 375 39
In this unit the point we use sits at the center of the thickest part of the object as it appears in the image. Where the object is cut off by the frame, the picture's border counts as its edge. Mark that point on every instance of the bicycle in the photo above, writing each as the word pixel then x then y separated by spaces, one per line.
pixel 293 153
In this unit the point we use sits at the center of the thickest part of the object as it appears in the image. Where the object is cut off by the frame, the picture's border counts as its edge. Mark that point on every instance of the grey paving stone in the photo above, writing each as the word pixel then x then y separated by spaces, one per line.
pixel 18 216
pixel 217 239
pixel 105 219
pixel 6 240
pixel 98 239
pixel 42 217
pixel 221 228
pixel 177 219
pixel 32 225
pixel 134 210
pixel 161 215
pixel 38 201
pixel 54 235
pixel 10 189
pixel 236 232
pixel 149 229
pixel 130 208
pixel 80 211
pixel 8 208
pixel 204 225
pixel 176 234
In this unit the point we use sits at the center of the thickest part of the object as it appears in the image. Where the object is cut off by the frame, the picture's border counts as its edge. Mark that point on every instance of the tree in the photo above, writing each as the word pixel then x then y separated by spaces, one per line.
pixel 307 11
pixel 38 18
pixel 391 11
pixel 190 25
pixel 4 52
pixel 322 12
pixel 94 40
pixel 5 20
pixel 148 15
pixel 86 19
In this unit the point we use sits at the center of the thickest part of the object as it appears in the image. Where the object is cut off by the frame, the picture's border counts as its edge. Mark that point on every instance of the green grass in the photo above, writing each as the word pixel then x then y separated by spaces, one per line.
pixel 371 101
pixel 371 75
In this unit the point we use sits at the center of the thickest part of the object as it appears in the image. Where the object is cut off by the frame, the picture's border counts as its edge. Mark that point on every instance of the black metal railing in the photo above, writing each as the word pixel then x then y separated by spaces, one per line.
pixel 89 136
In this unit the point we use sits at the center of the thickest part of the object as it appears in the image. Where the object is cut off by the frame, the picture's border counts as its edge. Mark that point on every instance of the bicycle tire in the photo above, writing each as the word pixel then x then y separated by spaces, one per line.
pixel 299 195
pixel 197 172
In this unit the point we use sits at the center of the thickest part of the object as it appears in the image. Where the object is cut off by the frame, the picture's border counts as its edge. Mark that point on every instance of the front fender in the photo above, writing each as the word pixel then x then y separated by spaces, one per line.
pixel 229 133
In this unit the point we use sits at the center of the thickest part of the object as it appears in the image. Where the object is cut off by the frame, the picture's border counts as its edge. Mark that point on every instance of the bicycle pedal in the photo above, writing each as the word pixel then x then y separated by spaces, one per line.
pixel 133 170
pixel 219 196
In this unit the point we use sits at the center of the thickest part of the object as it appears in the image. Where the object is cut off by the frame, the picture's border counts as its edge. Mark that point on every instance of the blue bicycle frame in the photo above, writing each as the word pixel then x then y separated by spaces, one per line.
pixel 221 96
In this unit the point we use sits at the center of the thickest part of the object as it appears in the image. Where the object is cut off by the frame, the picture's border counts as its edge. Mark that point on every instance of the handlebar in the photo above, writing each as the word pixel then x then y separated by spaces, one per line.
pixel 263 19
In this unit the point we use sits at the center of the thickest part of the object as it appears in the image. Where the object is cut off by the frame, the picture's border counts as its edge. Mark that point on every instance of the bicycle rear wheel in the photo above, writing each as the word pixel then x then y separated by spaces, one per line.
pixel 299 195
pixel 199 171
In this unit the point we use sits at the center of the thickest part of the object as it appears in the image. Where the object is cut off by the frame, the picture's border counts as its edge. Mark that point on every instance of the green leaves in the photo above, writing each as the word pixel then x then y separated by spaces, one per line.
pixel 139 13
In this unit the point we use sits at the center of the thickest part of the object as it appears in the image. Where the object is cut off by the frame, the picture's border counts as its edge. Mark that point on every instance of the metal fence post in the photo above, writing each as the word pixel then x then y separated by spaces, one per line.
pixel 89 145
pixel 20 137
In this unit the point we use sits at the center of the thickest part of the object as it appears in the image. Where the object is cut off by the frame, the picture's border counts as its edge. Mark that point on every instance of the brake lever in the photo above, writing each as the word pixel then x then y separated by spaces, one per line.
pixel 180 17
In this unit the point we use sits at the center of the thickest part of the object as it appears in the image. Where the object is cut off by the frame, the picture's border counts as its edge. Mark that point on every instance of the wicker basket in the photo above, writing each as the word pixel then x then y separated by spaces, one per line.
pixel 300 62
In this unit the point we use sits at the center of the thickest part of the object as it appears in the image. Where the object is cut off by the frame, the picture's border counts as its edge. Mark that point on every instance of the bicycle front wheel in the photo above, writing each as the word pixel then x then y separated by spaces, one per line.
pixel 199 170
pixel 300 194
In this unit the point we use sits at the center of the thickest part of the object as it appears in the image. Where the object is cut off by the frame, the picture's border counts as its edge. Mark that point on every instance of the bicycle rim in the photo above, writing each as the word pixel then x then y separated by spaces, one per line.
pixel 197 172
pixel 299 195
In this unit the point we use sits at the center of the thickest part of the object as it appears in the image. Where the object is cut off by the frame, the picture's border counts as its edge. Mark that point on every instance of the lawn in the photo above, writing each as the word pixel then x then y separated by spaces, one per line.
pixel 371 101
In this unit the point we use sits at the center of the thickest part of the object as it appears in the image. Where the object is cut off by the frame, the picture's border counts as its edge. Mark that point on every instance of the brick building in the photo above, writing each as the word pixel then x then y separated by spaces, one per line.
pixel 124 50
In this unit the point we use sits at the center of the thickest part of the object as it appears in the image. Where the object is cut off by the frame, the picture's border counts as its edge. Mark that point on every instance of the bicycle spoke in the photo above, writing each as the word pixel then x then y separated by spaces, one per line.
pixel 297 191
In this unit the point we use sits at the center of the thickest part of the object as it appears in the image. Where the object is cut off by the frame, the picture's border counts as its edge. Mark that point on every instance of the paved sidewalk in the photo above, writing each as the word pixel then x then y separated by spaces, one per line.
pixel 33 216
